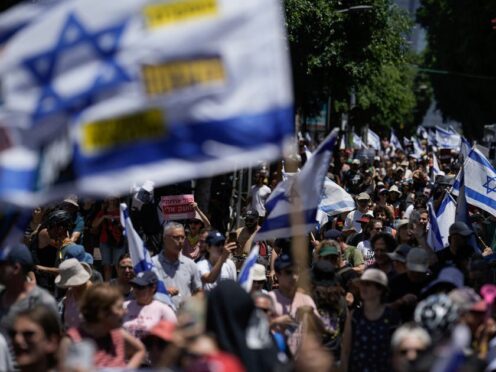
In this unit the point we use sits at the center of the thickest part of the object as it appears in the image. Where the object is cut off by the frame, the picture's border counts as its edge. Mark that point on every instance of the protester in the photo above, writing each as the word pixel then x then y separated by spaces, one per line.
pixel 408 342
pixel 76 280
pixel 159 343
pixel 179 273
pixel 125 273
pixel 111 235
pixel 259 278
pixel 103 313
pixel 36 337
pixel 368 331
pixel 144 312
pixel 218 266
pixel 191 247
pixel 19 292
pixel 259 194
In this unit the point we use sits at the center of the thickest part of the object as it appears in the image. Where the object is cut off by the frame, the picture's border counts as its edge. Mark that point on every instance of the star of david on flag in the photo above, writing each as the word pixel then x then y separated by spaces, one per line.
pixel 103 44
pixel 487 185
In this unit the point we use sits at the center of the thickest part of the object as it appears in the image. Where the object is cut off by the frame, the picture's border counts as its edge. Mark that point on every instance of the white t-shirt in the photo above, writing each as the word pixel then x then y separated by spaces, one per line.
pixel 368 254
pixel 140 319
pixel 350 223
pixel 228 271
pixel 259 195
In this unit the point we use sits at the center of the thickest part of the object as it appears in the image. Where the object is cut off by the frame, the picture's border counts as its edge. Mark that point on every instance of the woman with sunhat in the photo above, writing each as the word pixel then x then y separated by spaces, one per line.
pixel 192 243
pixel 367 335
pixel 74 277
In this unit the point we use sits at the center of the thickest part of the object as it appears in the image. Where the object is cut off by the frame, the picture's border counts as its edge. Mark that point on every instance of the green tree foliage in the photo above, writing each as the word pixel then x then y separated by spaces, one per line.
pixel 461 43
pixel 335 52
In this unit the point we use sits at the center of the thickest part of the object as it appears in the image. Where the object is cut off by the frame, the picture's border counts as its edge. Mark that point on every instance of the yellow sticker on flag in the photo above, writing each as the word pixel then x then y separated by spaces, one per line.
pixel 172 76
pixel 109 133
pixel 164 14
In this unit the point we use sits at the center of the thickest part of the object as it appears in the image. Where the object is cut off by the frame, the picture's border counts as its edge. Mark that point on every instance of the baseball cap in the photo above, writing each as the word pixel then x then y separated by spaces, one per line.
pixel 460 228
pixel 448 275
pixel 400 253
pixel 71 199
pixel 328 250
pixel 401 223
pixel 144 279
pixel 282 262
pixel 20 254
pixel 356 161
pixel 417 260
pixel 363 196
pixel 375 276
pixel 78 252
pixel 333 234
pixel 258 272
pixel 214 237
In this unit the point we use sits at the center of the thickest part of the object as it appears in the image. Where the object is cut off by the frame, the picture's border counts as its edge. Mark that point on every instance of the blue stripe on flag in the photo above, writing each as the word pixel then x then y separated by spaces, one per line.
pixel 474 195
pixel 283 221
pixel 474 155
pixel 186 141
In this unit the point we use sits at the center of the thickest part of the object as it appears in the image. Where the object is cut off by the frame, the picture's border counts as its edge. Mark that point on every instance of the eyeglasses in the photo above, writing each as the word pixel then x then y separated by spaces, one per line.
pixel 126 268
pixel 151 342
pixel 139 288
pixel 195 222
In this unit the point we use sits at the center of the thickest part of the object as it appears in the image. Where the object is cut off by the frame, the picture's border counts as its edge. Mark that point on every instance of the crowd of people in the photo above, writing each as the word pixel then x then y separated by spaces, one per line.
pixel 373 296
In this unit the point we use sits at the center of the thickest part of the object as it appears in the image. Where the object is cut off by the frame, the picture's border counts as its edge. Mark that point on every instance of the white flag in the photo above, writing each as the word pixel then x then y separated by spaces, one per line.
pixel 373 140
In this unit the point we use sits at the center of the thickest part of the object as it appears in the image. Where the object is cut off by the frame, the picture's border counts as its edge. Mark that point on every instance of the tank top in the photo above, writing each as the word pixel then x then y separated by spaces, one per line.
pixel 110 350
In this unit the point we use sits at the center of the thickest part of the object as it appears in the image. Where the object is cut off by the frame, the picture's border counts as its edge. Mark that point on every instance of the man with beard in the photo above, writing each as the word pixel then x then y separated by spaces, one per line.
pixel 246 234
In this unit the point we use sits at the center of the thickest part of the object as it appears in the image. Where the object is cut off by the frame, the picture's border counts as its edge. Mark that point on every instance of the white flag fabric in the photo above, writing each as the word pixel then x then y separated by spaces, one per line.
pixel 417 149
pixel 447 138
pixel 373 140
pixel 245 278
pixel 335 199
pixel 119 92
pixel 440 222
pixel 395 142
pixel 480 182
pixel 357 142
pixel 436 170
pixel 140 256
pixel 305 188
pixel 464 148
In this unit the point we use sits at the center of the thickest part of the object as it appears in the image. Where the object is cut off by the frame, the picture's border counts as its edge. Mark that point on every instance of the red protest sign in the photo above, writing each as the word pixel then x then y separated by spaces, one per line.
pixel 177 207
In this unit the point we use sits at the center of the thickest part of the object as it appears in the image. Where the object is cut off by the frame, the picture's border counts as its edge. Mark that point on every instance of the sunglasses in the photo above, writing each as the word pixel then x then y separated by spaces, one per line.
pixel 151 342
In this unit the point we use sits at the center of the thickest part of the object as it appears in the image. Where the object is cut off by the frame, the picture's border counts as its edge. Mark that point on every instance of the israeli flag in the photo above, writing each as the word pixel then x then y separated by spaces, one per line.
pixel 436 170
pixel 464 148
pixel 140 256
pixel 421 132
pixel 300 194
pixel 335 199
pixel 245 278
pixel 480 182
pixel 17 17
pixel 373 140
pixel 357 142
pixel 440 222
pixel 395 142
pixel 119 92
pixel 462 213
pixel 417 149
pixel 447 138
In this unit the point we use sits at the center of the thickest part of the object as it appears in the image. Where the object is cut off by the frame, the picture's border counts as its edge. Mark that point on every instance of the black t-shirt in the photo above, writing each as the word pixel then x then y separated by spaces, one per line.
pixel 400 286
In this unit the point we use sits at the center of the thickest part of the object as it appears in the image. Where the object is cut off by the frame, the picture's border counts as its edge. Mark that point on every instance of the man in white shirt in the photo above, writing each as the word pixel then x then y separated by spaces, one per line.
pixel 259 194
pixel 351 222
pixel 217 266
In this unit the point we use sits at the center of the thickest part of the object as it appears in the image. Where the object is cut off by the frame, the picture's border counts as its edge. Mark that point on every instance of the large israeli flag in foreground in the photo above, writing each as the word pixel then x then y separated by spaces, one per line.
pixel 140 256
pixel 480 182
pixel 440 222
pixel 299 196
pixel 118 92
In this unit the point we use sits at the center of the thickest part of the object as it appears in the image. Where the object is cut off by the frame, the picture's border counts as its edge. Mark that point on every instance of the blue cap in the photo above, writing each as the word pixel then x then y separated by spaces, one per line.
pixel 282 262
pixel 18 253
pixel 215 238
pixel 78 252
pixel 144 279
